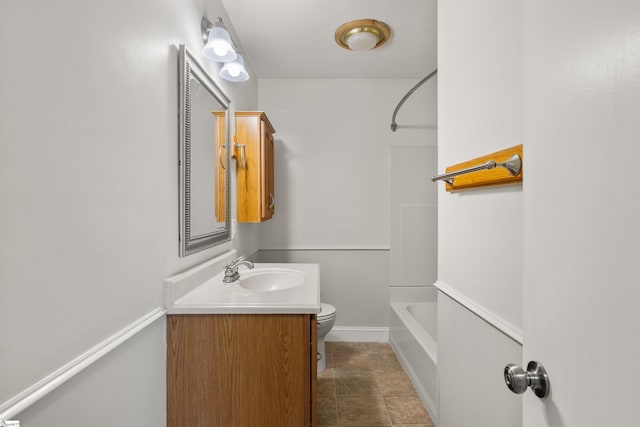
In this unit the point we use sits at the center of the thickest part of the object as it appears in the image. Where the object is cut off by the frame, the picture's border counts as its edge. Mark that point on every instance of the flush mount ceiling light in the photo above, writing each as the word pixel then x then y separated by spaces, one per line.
pixel 362 34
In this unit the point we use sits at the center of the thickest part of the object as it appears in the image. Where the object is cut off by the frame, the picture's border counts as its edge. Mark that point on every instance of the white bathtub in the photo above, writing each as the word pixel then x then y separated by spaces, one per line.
pixel 413 336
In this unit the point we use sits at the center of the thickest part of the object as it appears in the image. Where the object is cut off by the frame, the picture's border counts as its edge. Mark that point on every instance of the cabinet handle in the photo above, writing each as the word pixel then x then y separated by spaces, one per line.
pixel 243 155
pixel 273 201
pixel 220 159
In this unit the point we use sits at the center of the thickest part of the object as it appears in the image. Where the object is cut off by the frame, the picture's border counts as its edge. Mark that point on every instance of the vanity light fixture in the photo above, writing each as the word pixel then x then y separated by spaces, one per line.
pixel 217 41
pixel 362 34
pixel 234 70
pixel 219 47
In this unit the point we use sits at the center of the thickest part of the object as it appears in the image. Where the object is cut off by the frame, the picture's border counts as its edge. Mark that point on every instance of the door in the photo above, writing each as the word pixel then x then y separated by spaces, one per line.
pixel 582 210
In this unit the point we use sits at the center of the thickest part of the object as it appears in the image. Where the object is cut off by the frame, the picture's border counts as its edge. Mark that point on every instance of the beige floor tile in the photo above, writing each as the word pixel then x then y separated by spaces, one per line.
pixel 345 347
pixel 406 410
pixel 355 382
pixel 328 372
pixel 351 362
pixel 327 411
pixel 326 384
pixel 413 425
pixel 364 385
pixel 394 383
pixel 362 411
pixel 384 362
pixel 378 348
pixel 328 359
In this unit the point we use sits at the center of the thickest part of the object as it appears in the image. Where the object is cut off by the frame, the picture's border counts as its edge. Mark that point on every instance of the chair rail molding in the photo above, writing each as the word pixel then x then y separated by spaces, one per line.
pixel 488 316
pixel 46 385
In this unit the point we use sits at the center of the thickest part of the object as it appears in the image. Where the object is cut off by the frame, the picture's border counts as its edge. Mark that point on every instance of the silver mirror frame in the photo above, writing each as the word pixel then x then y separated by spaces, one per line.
pixel 189 66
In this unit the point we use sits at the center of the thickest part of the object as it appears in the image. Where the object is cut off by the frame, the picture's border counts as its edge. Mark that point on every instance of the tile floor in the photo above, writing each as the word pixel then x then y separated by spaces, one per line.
pixel 364 385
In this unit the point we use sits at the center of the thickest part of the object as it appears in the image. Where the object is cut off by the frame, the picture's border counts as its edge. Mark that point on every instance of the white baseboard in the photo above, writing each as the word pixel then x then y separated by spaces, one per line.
pixel 358 334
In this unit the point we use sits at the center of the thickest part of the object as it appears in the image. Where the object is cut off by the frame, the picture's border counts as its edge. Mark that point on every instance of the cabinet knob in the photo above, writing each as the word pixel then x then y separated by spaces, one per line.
pixel 273 201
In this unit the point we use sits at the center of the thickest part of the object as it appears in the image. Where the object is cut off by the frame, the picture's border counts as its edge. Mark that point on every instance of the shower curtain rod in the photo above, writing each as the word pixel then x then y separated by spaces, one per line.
pixel 394 125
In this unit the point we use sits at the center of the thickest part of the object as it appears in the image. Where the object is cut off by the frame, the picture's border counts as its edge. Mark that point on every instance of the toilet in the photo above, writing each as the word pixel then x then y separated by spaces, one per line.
pixel 326 317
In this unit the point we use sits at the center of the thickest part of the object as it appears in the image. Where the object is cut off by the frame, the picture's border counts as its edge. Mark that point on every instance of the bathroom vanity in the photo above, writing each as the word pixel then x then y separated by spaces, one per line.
pixel 241 370
pixel 242 354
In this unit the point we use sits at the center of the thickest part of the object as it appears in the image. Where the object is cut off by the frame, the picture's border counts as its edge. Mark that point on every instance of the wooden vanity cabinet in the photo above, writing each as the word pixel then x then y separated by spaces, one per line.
pixel 255 182
pixel 240 370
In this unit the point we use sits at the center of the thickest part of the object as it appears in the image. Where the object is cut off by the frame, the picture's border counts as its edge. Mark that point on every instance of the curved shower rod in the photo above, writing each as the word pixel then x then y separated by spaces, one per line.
pixel 394 125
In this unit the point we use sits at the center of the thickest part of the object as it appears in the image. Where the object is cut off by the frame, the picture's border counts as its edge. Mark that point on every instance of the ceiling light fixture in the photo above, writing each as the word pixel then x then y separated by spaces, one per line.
pixel 219 47
pixel 362 34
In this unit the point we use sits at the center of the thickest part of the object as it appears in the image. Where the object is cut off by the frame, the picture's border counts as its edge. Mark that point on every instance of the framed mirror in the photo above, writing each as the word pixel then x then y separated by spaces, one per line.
pixel 204 140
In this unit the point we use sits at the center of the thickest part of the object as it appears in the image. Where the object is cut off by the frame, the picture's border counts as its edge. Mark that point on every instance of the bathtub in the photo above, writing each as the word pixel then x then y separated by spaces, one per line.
pixel 413 336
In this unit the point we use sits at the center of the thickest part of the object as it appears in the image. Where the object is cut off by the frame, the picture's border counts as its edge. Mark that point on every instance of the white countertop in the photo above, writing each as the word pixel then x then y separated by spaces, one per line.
pixel 200 290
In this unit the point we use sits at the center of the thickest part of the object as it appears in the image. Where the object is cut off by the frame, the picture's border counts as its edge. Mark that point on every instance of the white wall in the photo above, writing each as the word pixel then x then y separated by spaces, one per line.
pixel 89 214
pixel 480 111
pixel 124 388
pixel 334 152
pixel 414 214
pixel 471 356
pixel 354 281
pixel 480 237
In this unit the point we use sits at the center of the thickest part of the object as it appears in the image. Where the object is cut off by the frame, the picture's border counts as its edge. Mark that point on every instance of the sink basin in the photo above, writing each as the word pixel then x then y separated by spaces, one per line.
pixel 267 280
pixel 268 288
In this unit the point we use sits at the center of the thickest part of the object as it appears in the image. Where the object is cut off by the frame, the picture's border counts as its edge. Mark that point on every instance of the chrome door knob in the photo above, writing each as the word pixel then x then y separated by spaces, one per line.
pixel 518 380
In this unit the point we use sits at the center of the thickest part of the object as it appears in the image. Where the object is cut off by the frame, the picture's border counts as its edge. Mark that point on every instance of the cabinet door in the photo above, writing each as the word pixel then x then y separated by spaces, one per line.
pixel 255 182
pixel 221 181
pixel 240 370
pixel 267 181
pixel 248 175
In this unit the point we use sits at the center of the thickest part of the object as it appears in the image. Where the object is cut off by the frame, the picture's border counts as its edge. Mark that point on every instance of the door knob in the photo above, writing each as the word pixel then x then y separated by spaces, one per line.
pixel 518 380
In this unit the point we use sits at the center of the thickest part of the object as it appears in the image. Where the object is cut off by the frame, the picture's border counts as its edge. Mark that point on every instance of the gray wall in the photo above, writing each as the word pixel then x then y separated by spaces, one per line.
pixel 342 180
pixel 88 176
pixel 354 281
pixel 480 232
pixel 89 216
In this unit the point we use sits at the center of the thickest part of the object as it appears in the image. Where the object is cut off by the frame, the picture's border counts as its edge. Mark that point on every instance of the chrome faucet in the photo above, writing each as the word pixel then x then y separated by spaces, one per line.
pixel 231 270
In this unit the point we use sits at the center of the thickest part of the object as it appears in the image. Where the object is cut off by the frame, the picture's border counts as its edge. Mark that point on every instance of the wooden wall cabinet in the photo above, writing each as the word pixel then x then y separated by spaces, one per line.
pixel 255 181
pixel 240 370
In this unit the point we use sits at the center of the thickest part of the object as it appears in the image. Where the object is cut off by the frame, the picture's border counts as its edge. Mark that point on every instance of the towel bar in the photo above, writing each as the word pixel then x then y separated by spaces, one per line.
pixel 513 165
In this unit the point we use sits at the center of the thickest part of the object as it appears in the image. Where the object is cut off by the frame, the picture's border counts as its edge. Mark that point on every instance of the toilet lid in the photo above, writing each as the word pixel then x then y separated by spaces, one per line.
pixel 326 310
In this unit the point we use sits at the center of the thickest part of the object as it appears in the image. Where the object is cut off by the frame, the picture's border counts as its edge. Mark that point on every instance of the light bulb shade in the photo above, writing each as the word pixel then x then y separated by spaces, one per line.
pixel 362 40
pixel 234 70
pixel 219 46
pixel 362 34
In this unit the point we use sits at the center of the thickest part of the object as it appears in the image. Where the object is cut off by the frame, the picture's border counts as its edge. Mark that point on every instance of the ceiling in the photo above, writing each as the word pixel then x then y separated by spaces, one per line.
pixel 295 38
